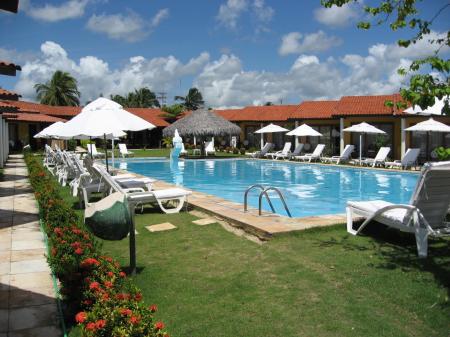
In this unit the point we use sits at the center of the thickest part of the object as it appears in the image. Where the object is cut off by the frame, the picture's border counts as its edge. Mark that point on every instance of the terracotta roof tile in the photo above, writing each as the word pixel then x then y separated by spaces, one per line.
pixel 7 93
pixel 150 115
pixel 367 105
pixel 61 111
pixel 278 113
pixel 314 110
pixel 31 117
pixel 9 64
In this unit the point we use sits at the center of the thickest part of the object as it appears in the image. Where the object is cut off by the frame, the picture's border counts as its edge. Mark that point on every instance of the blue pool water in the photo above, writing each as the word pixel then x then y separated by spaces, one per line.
pixel 308 189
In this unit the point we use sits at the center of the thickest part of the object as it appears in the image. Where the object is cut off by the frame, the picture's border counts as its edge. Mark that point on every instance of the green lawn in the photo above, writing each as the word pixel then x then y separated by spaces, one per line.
pixel 164 152
pixel 324 282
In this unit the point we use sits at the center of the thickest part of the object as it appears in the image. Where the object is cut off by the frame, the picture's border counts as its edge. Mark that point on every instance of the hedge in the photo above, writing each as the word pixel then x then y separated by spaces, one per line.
pixel 97 294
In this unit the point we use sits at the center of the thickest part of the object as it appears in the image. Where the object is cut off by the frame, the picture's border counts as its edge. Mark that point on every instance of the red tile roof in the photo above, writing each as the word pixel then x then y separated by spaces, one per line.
pixel 31 117
pixel 9 65
pixel 59 111
pixel 9 94
pixel 277 113
pixel 314 110
pixel 367 105
pixel 6 106
pixel 150 115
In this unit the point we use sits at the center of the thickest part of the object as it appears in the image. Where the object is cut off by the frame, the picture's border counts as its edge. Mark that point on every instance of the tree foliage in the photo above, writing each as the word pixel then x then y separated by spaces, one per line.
pixel 139 98
pixel 193 100
pixel 171 112
pixel 430 76
pixel 60 90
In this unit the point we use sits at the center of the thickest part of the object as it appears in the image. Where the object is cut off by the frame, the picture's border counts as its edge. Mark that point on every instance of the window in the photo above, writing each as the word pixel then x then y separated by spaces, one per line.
pixel 427 142
pixel 254 139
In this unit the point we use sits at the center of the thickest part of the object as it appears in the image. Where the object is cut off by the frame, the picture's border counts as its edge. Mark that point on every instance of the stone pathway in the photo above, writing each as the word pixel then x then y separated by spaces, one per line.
pixel 27 301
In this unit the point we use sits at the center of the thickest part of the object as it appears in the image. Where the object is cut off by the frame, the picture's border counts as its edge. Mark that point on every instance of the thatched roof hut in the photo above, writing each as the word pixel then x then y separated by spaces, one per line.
pixel 202 123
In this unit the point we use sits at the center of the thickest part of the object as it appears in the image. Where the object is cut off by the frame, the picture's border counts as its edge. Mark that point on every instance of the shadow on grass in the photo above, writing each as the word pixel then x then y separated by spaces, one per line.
pixel 399 251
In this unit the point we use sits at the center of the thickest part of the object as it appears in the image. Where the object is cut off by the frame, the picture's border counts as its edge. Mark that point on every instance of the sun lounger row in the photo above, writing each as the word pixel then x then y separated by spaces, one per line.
pixel 408 160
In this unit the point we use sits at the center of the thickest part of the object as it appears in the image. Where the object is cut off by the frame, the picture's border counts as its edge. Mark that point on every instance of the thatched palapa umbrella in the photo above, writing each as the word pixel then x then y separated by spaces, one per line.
pixel 202 123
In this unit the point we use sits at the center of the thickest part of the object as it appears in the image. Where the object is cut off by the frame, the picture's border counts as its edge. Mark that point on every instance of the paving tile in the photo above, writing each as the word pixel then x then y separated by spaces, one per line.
pixel 44 331
pixel 160 227
pixel 38 296
pixel 203 222
pixel 5 246
pixel 31 235
pixel 28 281
pixel 4 299
pixel 29 266
pixel 4 268
pixel 28 254
pixel 4 282
pixel 4 316
pixel 27 244
pixel 32 317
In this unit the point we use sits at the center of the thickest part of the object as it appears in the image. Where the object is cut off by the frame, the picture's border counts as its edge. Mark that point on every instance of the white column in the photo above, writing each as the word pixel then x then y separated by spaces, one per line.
pixel 262 136
pixel 6 140
pixel 296 138
pixel 341 135
pixel 2 140
pixel 402 137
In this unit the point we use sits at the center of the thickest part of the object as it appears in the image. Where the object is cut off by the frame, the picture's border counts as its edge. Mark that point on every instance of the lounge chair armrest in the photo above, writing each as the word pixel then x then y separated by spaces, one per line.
pixel 134 190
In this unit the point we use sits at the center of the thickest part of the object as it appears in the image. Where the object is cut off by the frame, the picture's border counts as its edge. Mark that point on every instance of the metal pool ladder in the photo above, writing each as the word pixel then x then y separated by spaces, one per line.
pixel 264 191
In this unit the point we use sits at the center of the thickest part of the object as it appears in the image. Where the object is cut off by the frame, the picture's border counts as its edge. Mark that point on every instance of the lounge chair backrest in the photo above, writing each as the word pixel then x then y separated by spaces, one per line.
pixel 286 148
pixel 318 150
pixel 298 149
pixel 266 148
pixel 382 153
pixel 432 193
pixel 106 177
pixel 92 149
pixel 209 146
pixel 123 148
pixel 410 157
pixel 347 151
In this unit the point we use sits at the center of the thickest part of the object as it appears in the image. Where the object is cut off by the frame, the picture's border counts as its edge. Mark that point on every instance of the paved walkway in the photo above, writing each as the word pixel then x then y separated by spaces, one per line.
pixel 27 301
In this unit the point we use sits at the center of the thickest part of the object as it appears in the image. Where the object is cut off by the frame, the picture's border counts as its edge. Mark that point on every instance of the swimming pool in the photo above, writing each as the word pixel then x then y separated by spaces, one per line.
pixel 309 189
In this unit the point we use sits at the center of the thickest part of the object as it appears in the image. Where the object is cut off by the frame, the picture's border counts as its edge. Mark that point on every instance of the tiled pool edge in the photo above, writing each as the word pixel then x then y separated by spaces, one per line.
pixel 264 227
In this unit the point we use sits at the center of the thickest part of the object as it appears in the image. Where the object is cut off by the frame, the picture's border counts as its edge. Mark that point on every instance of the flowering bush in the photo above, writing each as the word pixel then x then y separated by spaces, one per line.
pixel 102 299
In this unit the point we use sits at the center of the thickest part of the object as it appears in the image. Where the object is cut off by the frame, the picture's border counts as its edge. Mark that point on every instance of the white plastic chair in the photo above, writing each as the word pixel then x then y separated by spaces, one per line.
pixel 344 157
pixel 290 154
pixel 425 214
pixel 209 148
pixel 408 160
pixel 124 151
pixel 316 155
pixel 379 159
pixel 285 151
pixel 93 149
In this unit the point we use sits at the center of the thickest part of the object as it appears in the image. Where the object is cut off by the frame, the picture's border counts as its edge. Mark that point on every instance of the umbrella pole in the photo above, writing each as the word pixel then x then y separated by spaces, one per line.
pixel 360 148
pixel 112 151
pixel 90 141
pixel 106 152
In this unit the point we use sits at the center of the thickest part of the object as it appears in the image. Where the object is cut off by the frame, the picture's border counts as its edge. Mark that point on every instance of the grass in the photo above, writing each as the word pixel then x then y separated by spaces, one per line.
pixel 323 282
pixel 163 152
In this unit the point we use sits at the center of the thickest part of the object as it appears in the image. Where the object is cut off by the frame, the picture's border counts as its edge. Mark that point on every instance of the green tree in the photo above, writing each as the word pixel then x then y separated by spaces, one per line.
pixel 424 85
pixel 140 98
pixel 171 112
pixel 62 89
pixel 193 99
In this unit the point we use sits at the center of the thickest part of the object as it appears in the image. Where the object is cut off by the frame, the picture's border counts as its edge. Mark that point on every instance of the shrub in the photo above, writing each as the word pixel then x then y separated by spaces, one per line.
pixel 93 286
pixel 228 149
pixel 242 151
pixel 71 144
pixel 235 150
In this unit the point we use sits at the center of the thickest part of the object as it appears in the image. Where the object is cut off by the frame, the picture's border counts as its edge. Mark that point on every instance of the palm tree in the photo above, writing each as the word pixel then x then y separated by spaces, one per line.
pixel 193 100
pixel 172 112
pixel 140 98
pixel 60 90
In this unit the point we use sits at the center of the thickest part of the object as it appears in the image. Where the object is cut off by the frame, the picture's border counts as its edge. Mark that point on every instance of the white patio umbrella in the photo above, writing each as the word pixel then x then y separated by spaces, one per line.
pixel 304 130
pixel 363 128
pixel 269 129
pixel 435 109
pixel 50 131
pixel 430 125
pixel 102 118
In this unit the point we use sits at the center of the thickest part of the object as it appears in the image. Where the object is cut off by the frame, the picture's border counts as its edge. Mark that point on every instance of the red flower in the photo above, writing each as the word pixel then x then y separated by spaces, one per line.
pixel 54 251
pixel 87 302
pixel 90 326
pixel 79 251
pixel 122 274
pixel 76 231
pixel 138 297
pixel 125 312
pixel 89 262
pixel 58 231
pixel 108 284
pixel 80 317
pixel 100 324
pixel 94 286
pixel 153 308
pixel 134 320
pixel 76 244
pixel 159 325
pixel 110 274
pixel 122 296
pixel 105 296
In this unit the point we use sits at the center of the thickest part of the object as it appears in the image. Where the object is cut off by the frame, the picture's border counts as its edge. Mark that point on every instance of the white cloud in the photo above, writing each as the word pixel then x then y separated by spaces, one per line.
pixel 231 11
pixel 224 82
pixel 94 75
pixel 338 16
pixel 52 13
pixel 298 43
pixel 129 27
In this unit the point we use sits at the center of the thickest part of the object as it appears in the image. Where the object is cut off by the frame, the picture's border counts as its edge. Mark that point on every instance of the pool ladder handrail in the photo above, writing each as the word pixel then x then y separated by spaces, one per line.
pixel 264 192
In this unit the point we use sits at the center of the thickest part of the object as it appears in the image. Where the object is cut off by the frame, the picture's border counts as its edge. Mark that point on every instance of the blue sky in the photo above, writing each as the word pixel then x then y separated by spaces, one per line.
pixel 238 52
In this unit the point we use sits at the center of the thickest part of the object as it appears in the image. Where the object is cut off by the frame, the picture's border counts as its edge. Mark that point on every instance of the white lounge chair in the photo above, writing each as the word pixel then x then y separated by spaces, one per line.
pixel 183 150
pixel 138 196
pixel 290 154
pixel 425 214
pixel 258 154
pixel 408 160
pixel 285 151
pixel 124 151
pixel 93 149
pixel 344 157
pixel 316 155
pixel 379 159
pixel 209 148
